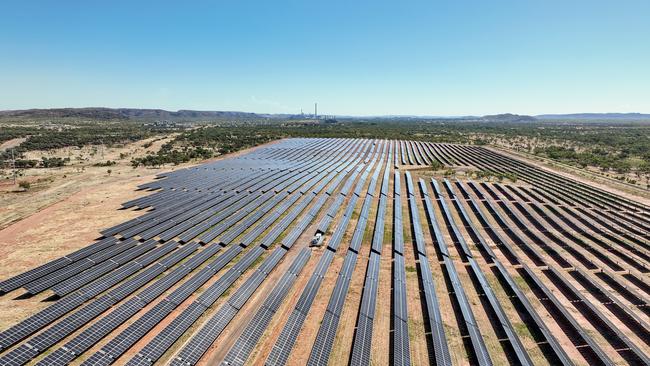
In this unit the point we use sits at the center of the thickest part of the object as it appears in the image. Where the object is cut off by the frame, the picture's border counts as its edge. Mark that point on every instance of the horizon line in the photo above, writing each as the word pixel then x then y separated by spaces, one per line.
pixel 459 116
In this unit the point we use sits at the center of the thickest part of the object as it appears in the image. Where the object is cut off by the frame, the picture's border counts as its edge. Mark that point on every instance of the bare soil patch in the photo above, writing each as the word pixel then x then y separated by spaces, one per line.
pixel 63 215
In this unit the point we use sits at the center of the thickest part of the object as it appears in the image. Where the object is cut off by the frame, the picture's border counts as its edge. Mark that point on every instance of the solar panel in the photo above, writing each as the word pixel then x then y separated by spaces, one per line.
pixel 270 197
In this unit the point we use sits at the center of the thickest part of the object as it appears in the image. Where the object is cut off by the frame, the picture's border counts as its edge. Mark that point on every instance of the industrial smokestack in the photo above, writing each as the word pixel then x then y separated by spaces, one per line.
pixel 315 110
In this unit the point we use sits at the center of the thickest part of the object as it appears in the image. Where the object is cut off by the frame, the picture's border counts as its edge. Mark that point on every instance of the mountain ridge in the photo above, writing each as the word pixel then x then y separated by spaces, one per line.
pixel 124 113
pixel 621 116
pixel 104 113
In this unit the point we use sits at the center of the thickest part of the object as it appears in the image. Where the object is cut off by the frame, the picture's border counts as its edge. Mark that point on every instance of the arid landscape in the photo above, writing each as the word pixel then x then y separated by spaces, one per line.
pixel 481 251
pixel 325 183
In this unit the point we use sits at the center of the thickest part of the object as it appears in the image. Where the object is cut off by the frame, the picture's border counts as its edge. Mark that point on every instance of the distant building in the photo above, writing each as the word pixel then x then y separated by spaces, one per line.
pixel 162 124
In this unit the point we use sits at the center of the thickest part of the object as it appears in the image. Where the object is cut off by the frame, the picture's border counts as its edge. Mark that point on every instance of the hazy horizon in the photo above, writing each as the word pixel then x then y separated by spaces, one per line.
pixel 310 113
pixel 358 59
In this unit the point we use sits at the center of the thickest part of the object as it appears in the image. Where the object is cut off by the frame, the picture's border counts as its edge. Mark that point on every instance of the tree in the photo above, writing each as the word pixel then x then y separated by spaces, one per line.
pixel 25 185
pixel 53 162
pixel 449 172
pixel 436 165
pixel 644 169
pixel 622 167
pixel 109 171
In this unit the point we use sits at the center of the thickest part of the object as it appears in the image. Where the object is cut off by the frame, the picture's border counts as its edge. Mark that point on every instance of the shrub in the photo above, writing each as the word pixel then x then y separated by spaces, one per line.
pixel 436 165
pixel 107 163
pixel 53 162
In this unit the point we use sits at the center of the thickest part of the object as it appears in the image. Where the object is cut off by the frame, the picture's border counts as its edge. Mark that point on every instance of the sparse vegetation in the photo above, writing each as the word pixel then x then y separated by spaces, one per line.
pixel 449 172
pixel 436 165
pixel 54 162
pixel 490 175
pixel 47 137
pixel 620 150
pixel 106 163
pixel 168 154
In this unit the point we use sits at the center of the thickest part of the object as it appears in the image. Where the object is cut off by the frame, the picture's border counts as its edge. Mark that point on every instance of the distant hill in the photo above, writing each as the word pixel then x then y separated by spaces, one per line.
pixel 125 113
pixel 508 117
pixel 595 116
pixel 99 113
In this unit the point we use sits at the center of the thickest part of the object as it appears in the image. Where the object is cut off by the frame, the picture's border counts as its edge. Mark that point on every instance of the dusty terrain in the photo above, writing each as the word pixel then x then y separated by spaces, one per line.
pixel 63 214
pixel 12 143
pixel 51 185
pixel 59 214
pixel 66 211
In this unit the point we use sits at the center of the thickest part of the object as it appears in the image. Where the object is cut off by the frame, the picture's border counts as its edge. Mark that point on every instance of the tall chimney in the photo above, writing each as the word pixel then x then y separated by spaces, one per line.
pixel 315 110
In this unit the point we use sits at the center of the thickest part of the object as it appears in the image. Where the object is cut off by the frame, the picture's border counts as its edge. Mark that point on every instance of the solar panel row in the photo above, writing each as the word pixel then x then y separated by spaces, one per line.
pixel 91 310
pixel 438 337
pixel 519 300
pixel 561 188
pixel 401 343
pixel 58 276
pixel 250 199
pixel 57 264
pixel 504 323
pixel 287 338
pixel 325 337
pixel 105 325
pixel 478 346
pixel 215 325
pixel 602 323
pixel 240 352
pixel 363 334
pixel 593 352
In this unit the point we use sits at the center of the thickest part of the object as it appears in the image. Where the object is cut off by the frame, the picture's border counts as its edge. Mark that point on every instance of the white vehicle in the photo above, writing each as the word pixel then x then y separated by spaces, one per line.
pixel 317 240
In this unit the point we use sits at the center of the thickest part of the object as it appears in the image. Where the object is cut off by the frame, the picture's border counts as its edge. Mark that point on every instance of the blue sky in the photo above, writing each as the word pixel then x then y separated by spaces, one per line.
pixel 354 57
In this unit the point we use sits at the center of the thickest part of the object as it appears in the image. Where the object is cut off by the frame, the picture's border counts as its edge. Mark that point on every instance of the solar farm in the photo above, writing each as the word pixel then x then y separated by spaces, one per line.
pixel 338 251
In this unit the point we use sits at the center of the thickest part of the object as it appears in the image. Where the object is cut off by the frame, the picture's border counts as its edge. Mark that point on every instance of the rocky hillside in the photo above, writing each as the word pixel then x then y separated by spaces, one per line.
pixel 124 113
